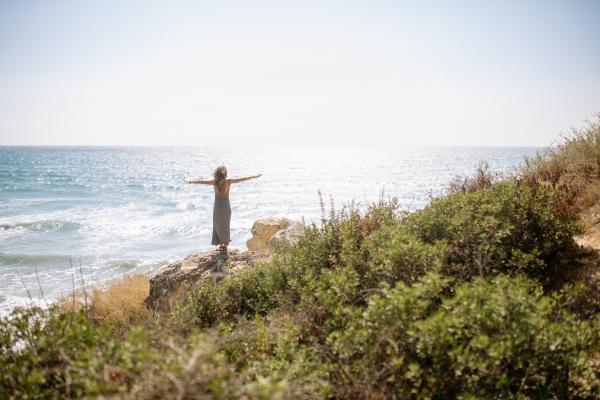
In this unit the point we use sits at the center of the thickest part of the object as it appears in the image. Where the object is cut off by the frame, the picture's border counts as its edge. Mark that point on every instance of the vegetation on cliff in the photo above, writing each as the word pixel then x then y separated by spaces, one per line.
pixel 466 298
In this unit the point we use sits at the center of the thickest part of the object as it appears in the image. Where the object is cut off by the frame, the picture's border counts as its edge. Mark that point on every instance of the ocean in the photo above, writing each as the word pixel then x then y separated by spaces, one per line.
pixel 73 215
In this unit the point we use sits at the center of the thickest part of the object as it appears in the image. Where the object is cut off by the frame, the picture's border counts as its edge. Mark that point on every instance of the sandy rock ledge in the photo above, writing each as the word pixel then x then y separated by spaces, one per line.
pixel 174 280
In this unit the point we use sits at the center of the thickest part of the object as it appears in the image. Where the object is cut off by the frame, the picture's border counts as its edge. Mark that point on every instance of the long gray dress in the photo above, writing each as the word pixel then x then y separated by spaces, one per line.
pixel 221 219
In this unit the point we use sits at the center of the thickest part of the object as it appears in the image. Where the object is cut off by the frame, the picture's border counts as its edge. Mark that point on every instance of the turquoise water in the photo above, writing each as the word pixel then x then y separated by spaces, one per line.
pixel 125 210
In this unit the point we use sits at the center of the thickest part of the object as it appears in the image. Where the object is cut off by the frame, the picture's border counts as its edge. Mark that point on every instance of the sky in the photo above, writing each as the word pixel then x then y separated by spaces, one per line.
pixel 389 73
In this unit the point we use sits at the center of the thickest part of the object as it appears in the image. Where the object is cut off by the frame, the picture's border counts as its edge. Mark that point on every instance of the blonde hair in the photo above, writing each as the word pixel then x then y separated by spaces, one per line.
pixel 220 175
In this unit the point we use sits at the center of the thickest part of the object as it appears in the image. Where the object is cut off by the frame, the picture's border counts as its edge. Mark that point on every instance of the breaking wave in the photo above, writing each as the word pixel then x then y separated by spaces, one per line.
pixel 50 225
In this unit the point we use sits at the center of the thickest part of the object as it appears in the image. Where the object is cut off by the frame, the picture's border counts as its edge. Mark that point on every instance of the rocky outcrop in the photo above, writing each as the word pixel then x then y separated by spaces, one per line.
pixel 267 233
pixel 288 235
pixel 175 280
pixel 172 281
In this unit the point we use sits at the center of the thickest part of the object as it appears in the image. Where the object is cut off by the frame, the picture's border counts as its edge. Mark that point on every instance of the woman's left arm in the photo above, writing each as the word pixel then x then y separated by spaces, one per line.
pixel 200 182
pixel 247 178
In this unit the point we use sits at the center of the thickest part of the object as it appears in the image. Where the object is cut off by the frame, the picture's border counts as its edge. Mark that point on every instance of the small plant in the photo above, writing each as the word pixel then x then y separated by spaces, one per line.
pixel 483 178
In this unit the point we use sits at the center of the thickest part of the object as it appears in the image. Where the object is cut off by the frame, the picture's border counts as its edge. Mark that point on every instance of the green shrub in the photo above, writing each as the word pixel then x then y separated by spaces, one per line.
pixel 327 267
pixel 507 228
pixel 248 292
pixel 49 354
pixel 398 255
pixel 492 339
pixel 272 351
pixel 190 367
pixel 252 359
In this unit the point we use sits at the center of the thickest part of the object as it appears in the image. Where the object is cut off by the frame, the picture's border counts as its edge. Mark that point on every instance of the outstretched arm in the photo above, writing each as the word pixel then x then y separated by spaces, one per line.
pixel 247 178
pixel 201 182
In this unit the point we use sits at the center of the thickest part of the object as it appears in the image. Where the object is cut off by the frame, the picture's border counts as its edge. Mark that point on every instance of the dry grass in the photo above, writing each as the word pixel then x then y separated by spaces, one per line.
pixel 573 165
pixel 121 302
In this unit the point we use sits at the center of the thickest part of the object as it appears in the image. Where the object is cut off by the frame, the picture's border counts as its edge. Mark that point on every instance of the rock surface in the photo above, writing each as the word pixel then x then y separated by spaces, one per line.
pixel 174 280
pixel 289 235
pixel 267 232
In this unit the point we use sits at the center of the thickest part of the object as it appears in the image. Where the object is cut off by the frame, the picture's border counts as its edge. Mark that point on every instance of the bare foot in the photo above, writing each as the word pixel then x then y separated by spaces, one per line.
pixel 222 247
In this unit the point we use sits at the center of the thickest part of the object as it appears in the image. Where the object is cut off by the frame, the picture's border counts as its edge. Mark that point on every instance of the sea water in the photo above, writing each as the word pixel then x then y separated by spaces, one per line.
pixel 83 215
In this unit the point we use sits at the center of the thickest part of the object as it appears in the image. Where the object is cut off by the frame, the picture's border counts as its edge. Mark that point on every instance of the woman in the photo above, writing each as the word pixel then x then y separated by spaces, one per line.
pixel 222 209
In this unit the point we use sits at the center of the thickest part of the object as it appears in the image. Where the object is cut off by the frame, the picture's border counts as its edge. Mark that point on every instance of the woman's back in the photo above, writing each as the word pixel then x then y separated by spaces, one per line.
pixel 222 188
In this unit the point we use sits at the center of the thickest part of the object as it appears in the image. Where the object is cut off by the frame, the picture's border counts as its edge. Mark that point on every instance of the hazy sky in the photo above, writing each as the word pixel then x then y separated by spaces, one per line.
pixel 301 72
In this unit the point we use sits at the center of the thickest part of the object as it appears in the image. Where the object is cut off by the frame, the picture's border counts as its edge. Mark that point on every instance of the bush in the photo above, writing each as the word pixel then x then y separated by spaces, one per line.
pixel 248 292
pixel 190 368
pixel 398 255
pixel 272 351
pixel 507 228
pixel 245 358
pixel 51 354
pixel 493 339
pixel 326 269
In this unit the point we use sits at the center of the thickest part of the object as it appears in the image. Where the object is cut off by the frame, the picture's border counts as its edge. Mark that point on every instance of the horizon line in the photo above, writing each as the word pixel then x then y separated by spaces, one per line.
pixel 275 145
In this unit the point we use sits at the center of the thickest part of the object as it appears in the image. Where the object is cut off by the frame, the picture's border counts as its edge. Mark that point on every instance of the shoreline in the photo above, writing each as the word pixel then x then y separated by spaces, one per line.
pixel 262 231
